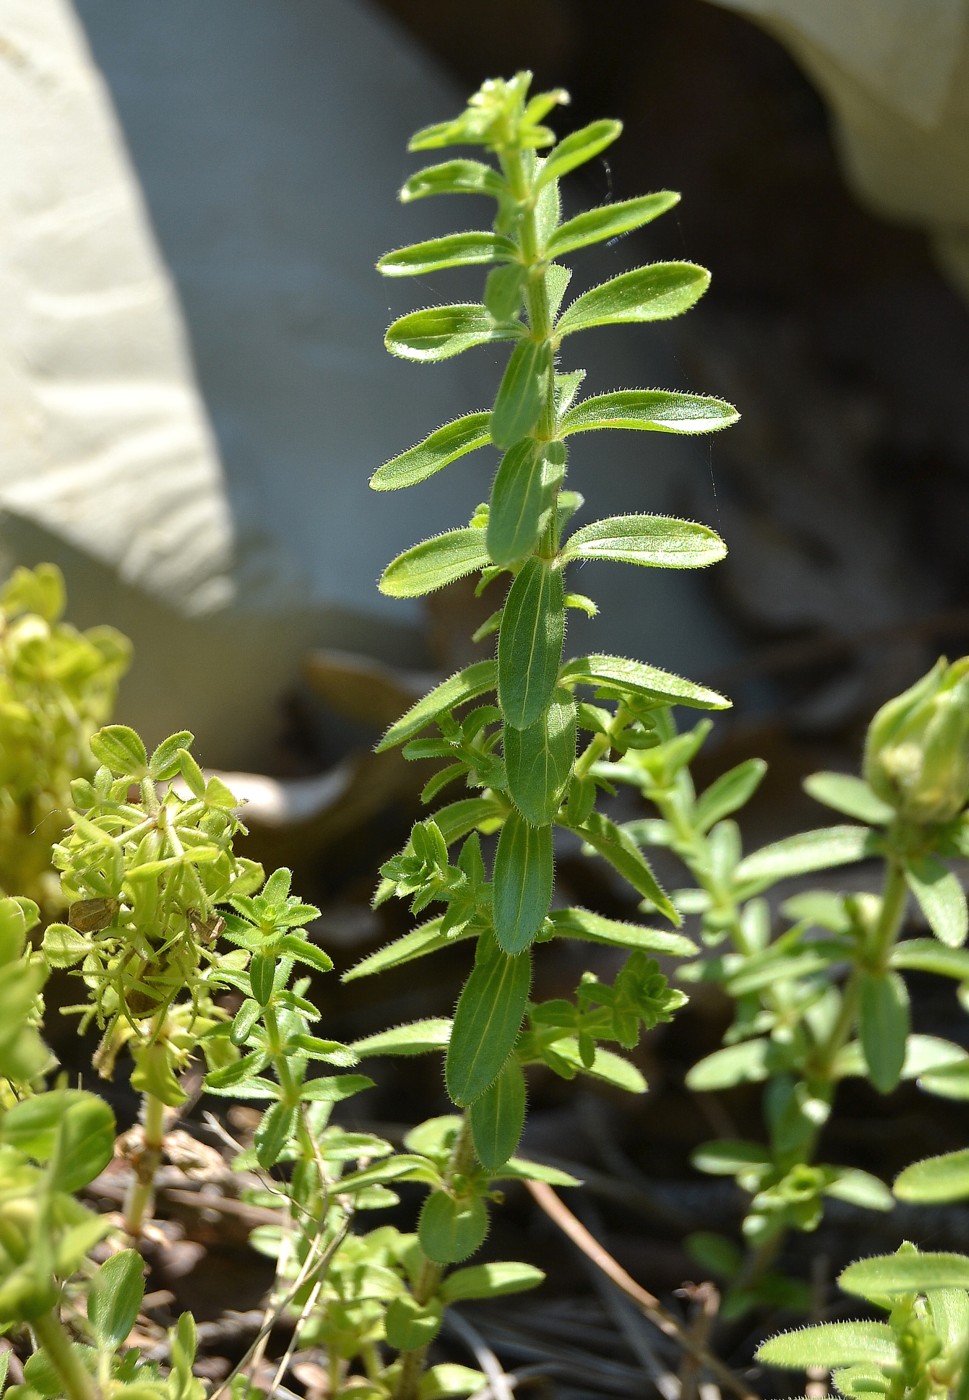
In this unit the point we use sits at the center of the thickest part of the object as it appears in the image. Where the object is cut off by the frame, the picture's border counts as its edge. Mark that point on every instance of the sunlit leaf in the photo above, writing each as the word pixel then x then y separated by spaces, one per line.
pixel 114 1297
pixel 729 792
pixel 454 250
pixel 438 332
pixel 576 148
pixel 622 674
pixel 416 1038
pixel 434 563
pixel 620 850
pixel 442 447
pixel 830 1344
pixel 120 749
pixel 492 1280
pixel 464 685
pixel 588 927
pixel 453 177
pixel 653 293
pixel 608 221
pixel 940 897
pixel 892 1275
pixel 928 955
pixel 935 1179
pixel 806 852
pixel 653 410
pixel 850 795
pixel 654 540
pixel 883 1013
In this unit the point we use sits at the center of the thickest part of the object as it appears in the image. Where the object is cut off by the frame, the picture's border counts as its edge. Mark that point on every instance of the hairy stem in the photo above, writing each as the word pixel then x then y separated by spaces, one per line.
pixel 140 1197
pixel 431 1273
pixel 78 1383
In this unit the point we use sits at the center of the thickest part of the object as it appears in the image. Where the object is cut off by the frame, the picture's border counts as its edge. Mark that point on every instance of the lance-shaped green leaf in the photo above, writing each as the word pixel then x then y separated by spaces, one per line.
pixel 576 149
pixel 653 293
pixel 935 1179
pixel 442 447
pixel 940 897
pixel 277 1129
pixel 498 1117
pixel 594 928
pixel 831 1344
pixel 729 1157
pixel 620 850
pixel 539 760
pixel 530 642
pixel 927 1057
pixel 428 938
pixel 607 1066
pixel 464 685
pixel 749 1062
pixel 493 1280
pixel 524 874
pixel 926 955
pixel 114 1297
pixel 402 1166
pixel 891 1275
pixel 858 1188
pixel 486 1023
pixel 521 393
pixel 658 541
pixel 504 286
pixel 434 563
pixel 609 221
pixel 729 792
pixel 454 250
pixel 416 1038
pixel 619 673
pixel 439 332
pixel 806 852
pixel 652 410
pixel 453 177
pixel 883 1026
pixel 850 795
pixel 458 818
pixel 517 497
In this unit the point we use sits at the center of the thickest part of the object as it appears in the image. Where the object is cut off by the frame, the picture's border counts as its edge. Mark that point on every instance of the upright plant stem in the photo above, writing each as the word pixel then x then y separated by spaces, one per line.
pixel 824 1084
pixel 538 312
pixel 78 1383
pixel 140 1197
pixel 431 1273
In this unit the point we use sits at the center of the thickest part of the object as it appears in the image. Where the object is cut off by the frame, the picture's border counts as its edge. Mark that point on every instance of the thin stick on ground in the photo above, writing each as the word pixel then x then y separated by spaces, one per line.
pixel 558 1212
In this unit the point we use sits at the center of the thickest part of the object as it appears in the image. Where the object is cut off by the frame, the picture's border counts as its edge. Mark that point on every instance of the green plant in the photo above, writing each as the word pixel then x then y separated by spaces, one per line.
pixel 825 999
pixel 185 952
pixel 529 746
pixel 57 686
pixel 52 1144
pixel 921 1352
